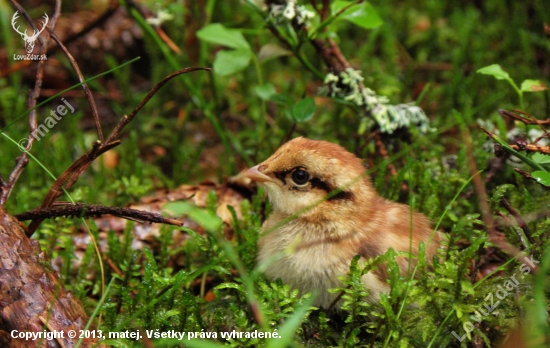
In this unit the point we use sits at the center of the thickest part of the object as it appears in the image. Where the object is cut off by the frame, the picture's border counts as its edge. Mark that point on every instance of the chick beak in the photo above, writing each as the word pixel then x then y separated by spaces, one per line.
pixel 254 174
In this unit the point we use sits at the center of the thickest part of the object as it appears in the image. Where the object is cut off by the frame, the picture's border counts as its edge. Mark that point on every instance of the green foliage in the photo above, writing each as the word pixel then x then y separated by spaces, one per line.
pixel 302 111
pixel 542 177
pixel 498 73
pixel 130 189
pixel 363 15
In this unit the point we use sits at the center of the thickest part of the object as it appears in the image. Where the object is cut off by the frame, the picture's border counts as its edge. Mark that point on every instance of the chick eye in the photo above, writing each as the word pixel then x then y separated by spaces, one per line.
pixel 300 176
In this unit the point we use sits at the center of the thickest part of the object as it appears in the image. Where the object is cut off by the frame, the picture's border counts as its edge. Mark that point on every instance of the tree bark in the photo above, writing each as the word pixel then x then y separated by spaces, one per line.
pixel 32 299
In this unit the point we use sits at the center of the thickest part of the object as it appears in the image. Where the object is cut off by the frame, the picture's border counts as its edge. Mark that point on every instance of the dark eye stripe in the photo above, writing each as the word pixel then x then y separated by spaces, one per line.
pixel 320 184
pixel 316 183
pixel 282 175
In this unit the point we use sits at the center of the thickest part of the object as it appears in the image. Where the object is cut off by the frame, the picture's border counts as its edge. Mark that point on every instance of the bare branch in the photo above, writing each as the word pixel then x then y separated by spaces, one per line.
pixel 95 210
pixel 532 148
pixel 23 160
pixel 71 174
pixel 495 237
pixel 516 115
pixel 84 85
pixel 126 119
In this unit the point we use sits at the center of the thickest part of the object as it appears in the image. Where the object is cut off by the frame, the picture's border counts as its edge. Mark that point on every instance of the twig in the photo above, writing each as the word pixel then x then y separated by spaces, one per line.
pixel 95 210
pixel 384 154
pixel 532 148
pixel 378 327
pixel 167 40
pixel 541 126
pixel 113 265
pixel 527 175
pixel 84 85
pixel 126 119
pixel 494 237
pixel 515 115
pixel 22 161
pixel 71 174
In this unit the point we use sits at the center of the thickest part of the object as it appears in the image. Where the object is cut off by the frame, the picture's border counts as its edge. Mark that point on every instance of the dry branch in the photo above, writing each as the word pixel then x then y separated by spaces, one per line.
pixel 532 148
pixel 95 210
pixel 85 87
pixel 495 237
pixel 23 160
pixel 71 174
pixel 516 115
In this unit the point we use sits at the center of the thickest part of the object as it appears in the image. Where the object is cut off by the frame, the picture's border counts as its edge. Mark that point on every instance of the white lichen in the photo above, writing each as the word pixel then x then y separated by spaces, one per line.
pixel 289 11
pixel 389 118
pixel 162 16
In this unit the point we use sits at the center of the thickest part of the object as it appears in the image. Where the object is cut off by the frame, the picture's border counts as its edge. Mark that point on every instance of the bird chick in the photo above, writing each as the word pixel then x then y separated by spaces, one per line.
pixel 309 252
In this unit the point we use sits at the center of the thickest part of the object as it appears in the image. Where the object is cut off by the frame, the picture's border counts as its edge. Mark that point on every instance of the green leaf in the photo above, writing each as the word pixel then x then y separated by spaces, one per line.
pixel 533 86
pixel 231 61
pixel 363 15
pixel 496 71
pixel 542 177
pixel 203 217
pixel 265 91
pixel 218 34
pixel 303 110
pixel 540 158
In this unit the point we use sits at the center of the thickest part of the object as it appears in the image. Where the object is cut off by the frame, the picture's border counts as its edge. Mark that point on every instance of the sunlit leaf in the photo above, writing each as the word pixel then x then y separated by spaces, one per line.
pixel 203 217
pixel 496 71
pixel 363 15
pixel 533 86
pixel 542 177
pixel 218 34
pixel 540 158
pixel 228 62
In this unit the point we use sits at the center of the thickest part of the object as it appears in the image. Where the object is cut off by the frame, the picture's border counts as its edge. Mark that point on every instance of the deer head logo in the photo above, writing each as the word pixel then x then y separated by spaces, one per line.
pixel 29 40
